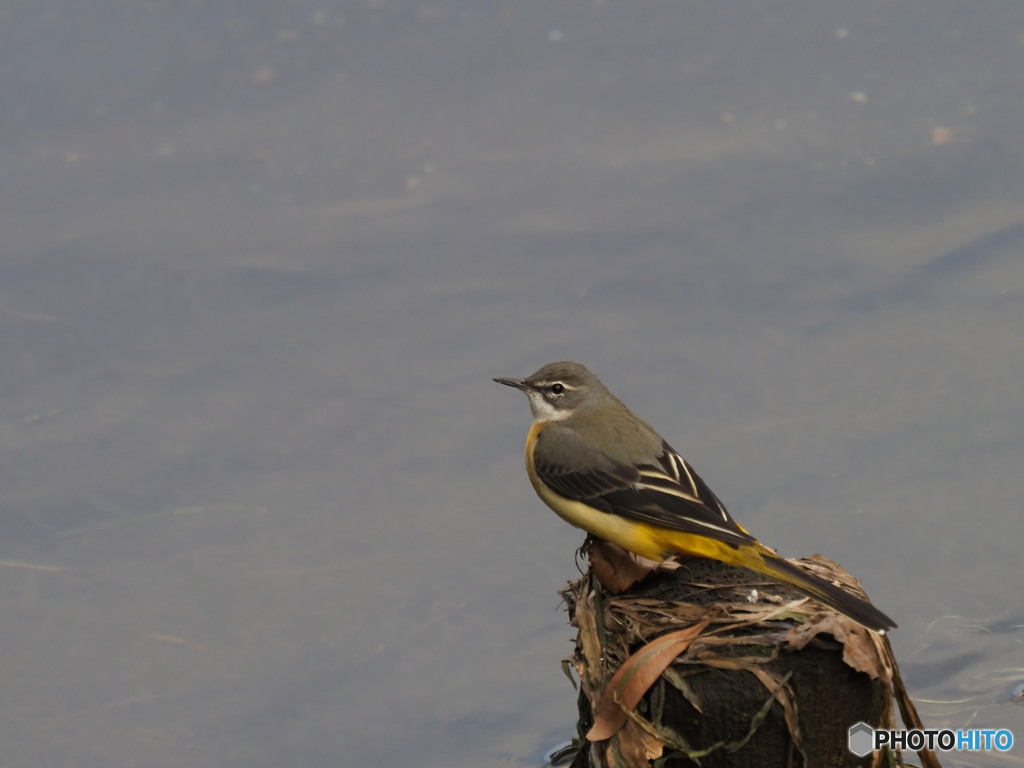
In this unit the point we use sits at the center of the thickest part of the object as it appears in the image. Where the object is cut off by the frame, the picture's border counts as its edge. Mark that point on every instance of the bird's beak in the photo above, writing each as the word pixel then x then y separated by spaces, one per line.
pixel 517 383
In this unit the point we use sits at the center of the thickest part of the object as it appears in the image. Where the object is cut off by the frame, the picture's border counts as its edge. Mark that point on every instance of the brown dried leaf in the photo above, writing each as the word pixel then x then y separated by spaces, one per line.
pixel 635 676
pixel 637 746
pixel 679 682
pixel 860 651
pixel 714 661
pixel 590 643
pixel 860 647
pixel 615 568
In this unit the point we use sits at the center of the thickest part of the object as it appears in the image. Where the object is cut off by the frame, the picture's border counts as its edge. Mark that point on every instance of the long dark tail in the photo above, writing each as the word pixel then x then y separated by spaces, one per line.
pixel 825 592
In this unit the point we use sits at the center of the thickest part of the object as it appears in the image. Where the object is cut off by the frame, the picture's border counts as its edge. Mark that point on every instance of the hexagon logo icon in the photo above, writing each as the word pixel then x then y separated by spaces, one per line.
pixel 861 739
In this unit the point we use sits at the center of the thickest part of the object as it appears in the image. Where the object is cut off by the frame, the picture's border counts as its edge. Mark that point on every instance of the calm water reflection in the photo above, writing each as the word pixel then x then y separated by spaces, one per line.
pixel 261 504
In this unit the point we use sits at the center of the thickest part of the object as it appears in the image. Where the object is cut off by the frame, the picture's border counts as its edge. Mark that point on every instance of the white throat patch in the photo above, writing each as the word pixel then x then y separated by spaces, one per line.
pixel 543 410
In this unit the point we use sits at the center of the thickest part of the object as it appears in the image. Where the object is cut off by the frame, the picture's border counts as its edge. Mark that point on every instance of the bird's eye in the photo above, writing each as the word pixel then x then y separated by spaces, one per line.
pixel 557 388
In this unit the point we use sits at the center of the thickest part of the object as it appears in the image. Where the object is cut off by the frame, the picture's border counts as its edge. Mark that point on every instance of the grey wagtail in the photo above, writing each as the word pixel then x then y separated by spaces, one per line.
pixel 603 469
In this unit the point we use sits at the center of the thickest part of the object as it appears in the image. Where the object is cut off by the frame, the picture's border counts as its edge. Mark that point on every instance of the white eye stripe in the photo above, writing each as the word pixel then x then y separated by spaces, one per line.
pixel 549 384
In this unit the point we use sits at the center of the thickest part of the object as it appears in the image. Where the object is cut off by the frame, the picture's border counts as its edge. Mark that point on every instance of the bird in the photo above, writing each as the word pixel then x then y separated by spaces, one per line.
pixel 605 470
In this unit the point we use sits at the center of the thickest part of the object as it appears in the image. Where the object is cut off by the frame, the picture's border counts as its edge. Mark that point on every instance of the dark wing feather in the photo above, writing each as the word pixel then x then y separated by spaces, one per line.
pixel 667 493
pixel 589 485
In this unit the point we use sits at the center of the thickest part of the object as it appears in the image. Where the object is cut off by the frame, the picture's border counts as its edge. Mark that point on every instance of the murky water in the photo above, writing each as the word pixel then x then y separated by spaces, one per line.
pixel 260 503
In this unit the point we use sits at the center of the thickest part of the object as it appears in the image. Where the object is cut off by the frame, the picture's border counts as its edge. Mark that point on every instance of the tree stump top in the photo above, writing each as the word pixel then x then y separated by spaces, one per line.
pixel 716 666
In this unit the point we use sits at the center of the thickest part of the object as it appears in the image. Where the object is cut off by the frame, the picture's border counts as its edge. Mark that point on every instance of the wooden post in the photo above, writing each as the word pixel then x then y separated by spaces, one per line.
pixel 714 666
